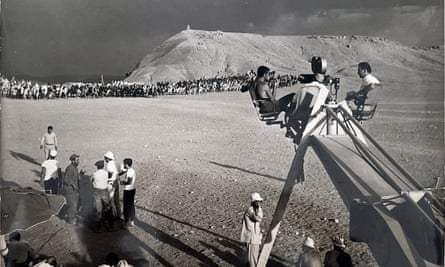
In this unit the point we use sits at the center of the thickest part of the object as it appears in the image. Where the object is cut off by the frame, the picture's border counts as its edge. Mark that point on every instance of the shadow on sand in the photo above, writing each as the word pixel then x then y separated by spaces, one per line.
pixel 166 238
pixel 234 259
pixel 21 156
pixel 6 184
pixel 247 171
pixel 96 246
pixel 238 258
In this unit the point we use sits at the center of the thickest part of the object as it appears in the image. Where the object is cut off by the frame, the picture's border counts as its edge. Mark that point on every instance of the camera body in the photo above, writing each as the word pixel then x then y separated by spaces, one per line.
pixel 319 66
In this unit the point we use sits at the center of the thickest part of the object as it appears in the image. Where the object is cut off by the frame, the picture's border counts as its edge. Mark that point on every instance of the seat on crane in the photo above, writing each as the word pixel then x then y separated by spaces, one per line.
pixel 365 105
pixel 296 122
pixel 308 101
pixel 266 109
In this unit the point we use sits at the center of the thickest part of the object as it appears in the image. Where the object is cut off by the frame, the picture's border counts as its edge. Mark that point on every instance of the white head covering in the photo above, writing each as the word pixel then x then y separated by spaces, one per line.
pixel 309 242
pixel 255 197
pixel 53 153
pixel 109 155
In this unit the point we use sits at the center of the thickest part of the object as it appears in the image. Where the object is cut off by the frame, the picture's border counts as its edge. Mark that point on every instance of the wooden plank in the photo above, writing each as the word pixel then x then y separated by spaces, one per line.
pixel 294 173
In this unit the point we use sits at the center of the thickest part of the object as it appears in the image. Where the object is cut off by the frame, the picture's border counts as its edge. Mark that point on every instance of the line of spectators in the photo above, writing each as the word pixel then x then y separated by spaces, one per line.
pixel 23 89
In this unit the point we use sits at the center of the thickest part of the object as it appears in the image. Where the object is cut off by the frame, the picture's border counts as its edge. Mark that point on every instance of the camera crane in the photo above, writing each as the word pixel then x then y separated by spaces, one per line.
pixel 402 223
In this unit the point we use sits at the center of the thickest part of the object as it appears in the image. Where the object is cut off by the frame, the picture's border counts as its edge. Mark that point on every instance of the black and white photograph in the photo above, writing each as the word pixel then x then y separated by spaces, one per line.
pixel 222 133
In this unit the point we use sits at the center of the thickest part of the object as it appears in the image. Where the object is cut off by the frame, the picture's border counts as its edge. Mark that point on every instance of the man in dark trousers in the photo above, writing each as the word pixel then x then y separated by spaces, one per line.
pixel 71 188
pixel 337 257
pixel 102 202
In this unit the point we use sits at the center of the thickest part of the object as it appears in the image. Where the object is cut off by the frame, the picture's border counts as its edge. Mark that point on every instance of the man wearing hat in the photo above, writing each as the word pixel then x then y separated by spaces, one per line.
pixel 71 188
pixel 110 167
pixel 51 174
pixel 310 257
pixel 251 234
pixel 337 257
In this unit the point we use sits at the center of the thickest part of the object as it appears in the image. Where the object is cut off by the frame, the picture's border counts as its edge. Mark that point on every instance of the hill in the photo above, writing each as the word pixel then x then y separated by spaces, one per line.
pixel 193 54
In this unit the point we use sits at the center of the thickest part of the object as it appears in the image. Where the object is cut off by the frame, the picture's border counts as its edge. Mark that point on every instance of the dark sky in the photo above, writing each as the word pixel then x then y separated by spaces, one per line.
pixel 53 37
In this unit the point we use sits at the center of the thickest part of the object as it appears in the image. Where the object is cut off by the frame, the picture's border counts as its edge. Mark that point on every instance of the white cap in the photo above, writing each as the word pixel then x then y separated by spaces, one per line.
pixel 309 242
pixel 53 153
pixel 109 155
pixel 255 197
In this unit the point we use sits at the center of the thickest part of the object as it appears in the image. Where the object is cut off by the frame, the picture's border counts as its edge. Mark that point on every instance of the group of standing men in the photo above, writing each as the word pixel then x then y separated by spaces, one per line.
pixel 67 184
pixel 105 182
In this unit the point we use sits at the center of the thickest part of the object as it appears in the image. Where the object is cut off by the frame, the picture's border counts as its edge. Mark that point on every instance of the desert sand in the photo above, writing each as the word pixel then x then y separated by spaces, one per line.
pixel 197 160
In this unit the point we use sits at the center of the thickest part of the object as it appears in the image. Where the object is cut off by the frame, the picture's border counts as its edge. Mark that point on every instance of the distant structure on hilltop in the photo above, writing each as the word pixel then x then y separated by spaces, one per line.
pixel 188 27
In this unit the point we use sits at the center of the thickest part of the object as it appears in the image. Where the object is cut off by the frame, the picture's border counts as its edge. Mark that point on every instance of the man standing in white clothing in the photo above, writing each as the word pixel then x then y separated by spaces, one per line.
pixel 129 191
pixel 48 142
pixel 251 234
pixel 51 174
pixel 110 167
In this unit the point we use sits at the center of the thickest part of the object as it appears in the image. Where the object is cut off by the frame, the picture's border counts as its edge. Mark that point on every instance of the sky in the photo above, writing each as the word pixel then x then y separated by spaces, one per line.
pixel 93 37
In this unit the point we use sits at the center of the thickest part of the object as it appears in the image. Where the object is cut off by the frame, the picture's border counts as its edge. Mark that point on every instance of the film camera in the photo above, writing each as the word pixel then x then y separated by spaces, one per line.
pixel 319 67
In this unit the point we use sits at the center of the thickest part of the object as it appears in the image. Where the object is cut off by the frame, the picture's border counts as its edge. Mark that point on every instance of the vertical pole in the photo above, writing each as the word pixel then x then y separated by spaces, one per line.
pixel 331 123
pixel 295 172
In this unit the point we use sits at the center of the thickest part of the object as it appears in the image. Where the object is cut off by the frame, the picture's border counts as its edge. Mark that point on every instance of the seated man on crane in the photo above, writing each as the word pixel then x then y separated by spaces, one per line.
pixel 366 98
pixel 266 94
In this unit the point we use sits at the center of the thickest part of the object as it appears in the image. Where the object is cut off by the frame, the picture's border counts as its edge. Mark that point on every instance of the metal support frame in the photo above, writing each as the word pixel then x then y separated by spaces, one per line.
pixel 377 197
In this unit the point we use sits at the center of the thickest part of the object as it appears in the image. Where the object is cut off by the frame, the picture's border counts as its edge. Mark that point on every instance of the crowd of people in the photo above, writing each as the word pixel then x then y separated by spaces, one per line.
pixel 24 89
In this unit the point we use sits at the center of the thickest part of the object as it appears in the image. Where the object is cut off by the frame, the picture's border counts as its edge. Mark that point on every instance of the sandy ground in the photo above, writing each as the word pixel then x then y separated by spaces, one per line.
pixel 197 160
